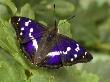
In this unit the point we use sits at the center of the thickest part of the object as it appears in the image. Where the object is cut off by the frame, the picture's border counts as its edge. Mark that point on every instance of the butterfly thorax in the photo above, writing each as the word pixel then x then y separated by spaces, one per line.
pixel 48 40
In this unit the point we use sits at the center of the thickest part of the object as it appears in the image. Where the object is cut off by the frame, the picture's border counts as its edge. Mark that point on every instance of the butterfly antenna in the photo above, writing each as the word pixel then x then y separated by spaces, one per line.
pixel 55 17
pixel 68 19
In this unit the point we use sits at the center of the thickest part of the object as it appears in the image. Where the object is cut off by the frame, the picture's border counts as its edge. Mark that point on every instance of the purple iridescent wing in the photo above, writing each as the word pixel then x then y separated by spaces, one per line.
pixel 28 33
pixel 66 52
pixel 27 29
pixel 53 59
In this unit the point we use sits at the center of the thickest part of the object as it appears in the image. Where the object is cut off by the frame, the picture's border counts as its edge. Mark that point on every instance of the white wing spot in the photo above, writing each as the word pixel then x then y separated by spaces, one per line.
pixel 33 40
pixel 77 48
pixel 19 19
pixel 64 52
pixel 68 48
pixel 72 59
pixel 35 44
pixel 85 53
pixel 83 56
pixel 30 35
pixel 31 29
pixel 59 52
pixel 75 55
pixel 21 33
pixel 53 53
pixel 22 28
pixel 27 23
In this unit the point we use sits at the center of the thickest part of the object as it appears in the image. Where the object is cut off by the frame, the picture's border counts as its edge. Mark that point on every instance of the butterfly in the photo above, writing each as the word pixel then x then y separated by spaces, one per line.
pixel 46 47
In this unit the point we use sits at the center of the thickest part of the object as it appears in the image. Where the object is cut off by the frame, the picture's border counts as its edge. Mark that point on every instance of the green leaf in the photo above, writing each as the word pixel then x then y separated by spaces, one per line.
pixel 104 31
pixel 89 77
pixel 8 37
pixel 27 11
pixel 85 4
pixel 4 14
pixel 8 41
pixel 66 74
pixel 10 70
pixel 64 28
pixel 100 65
pixel 42 22
pixel 10 4
pixel 63 8
pixel 101 2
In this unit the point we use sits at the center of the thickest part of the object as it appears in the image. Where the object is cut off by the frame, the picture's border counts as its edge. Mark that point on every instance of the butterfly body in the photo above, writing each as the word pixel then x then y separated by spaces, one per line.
pixel 46 43
pixel 45 47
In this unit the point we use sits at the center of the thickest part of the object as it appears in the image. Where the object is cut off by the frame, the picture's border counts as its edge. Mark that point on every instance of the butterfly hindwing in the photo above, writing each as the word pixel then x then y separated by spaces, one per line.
pixel 53 59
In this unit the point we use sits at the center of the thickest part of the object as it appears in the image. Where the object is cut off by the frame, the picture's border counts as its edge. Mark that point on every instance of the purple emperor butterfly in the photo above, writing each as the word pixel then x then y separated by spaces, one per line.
pixel 47 48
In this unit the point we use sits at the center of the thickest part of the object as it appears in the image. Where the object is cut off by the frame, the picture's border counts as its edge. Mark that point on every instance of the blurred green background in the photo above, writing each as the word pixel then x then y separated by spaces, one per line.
pixel 90 27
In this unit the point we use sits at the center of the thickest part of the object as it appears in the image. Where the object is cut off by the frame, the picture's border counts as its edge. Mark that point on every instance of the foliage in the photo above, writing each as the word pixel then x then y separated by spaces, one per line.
pixel 90 27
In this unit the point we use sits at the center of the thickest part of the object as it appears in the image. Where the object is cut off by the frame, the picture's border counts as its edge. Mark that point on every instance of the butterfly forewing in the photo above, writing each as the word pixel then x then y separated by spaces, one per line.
pixel 27 29
pixel 28 33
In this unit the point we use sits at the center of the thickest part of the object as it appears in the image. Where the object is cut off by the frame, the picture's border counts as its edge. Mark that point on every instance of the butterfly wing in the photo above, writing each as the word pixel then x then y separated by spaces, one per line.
pixel 72 51
pixel 28 33
pixel 66 52
pixel 27 29
pixel 53 59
